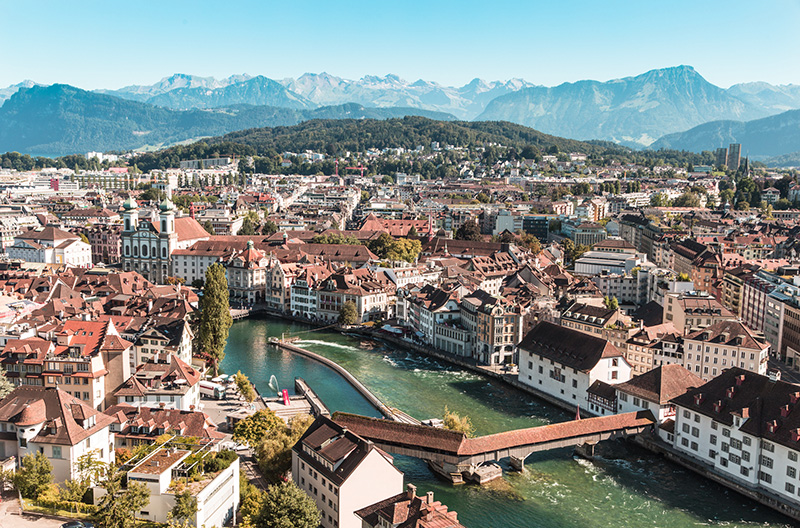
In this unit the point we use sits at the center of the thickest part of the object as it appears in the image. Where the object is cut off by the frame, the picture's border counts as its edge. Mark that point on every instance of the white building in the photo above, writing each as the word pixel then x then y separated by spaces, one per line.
pixel 745 428
pixel 217 495
pixel 62 427
pixel 51 245
pixel 725 344
pixel 564 363
pixel 342 473
pixel 166 382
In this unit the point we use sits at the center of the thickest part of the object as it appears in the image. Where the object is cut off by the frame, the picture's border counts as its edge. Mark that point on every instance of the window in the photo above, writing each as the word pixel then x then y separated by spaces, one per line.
pixel 695 432
pixel 744 471
pixel 715 426
pixel 792 456
pixel 790 487
pixel 726 432
pixel 713 440
pixel 686 428
pixel 687 414
pixel 766 461
pixel 766 477
pixel 56 451
pixel 736 444
pixel 746 456
pixel 768 446
pixel 791 472
pixel 747 440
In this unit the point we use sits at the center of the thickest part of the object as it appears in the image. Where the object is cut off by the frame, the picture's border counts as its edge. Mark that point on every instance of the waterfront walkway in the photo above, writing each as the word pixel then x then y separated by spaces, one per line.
pixel 450 447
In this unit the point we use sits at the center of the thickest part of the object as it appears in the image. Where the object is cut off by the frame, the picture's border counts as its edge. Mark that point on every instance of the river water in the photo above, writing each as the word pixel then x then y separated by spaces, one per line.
pixel 624 487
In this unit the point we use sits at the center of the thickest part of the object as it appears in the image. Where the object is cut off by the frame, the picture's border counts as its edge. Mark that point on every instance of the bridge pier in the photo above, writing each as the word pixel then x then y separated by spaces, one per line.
pixel 517 464
pixel 585 450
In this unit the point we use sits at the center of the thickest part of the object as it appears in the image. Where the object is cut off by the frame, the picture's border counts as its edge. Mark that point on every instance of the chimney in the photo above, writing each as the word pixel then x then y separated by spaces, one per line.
pixel 793 397
pixel 740 380
pixel 430 497
pixel 411 491
pixel 785 411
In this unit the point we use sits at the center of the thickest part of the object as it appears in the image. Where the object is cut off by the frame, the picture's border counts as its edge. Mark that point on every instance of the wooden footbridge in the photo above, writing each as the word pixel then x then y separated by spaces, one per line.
pixel 453 452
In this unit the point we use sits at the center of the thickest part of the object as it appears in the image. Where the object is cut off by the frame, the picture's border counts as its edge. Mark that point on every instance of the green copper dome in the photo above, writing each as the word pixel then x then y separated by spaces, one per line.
pixel 129 204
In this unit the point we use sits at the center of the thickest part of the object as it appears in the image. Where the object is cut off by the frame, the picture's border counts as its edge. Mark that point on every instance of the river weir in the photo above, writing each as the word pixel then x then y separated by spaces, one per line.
pixel 623 485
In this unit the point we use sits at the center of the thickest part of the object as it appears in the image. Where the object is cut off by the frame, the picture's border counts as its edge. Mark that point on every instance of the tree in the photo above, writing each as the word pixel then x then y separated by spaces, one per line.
pixel 531 242
pixel 387 180
pixel 245 387
pixel 253 429
pixel 209 227
pixel 404 249
pixel 84 238
pixel 215 315
pixel 364 196
pixel 483 198
pixel 185 506
pixel 119 506
pixel 274 453
pixel 726 196
pixel 284 505
pixel 460 424
pixel 248 227
pixel 348 314
pixel 381 245
pixel 269 228
pixel 5 386
pixel 469 230
pixel 687 199
pixel 34 476
pixel 611 302
pixel 659 200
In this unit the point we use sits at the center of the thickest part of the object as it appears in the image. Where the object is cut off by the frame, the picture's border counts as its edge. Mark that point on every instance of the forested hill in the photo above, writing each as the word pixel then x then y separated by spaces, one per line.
pixel 335 137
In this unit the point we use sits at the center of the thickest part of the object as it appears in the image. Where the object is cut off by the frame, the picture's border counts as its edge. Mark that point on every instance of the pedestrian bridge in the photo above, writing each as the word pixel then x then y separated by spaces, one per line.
pixel 455 450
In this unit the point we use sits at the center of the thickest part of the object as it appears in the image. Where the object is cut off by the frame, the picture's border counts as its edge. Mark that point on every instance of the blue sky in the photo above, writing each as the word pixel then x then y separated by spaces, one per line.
pixel 109 44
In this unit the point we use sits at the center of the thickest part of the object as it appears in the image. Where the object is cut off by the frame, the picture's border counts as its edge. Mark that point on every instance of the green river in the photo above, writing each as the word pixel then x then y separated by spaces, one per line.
pixel 623 487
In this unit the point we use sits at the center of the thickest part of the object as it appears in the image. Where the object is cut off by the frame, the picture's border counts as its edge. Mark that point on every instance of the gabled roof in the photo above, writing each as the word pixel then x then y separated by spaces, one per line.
pixel 567 346
pixel 66 418
pixel 729 333
pixel 769 409
pixel 661 384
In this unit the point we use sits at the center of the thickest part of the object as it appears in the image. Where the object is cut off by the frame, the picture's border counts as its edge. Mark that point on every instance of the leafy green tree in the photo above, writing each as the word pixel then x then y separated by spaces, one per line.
pixel 269 228
pixel 483 198
pixel 84 238
pixel 119 506
pixel 469 230
pixel 215 315
pixel 454 422
pixel 284 505
pixel 274 452
pixel 387 180
pixel 34 476
pixel 530 242
pixel 659 200
pixel 245 387
pixel 405 249
pixel 248 227
pixel 253 429
pixel 381 245
pixel 348 314
pixel 185 506
pixel 611 302
pixel 209 227
pixel 5 385
pixel 726 196
pixel 687 199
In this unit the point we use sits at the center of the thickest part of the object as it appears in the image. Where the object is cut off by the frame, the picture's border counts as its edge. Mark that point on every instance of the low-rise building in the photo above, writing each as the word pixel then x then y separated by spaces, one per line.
pixel 342 472
pixel 50 245
pixel 723 345
pixel 407 510
pixel 744 428
pixel 564 363
pixel 165 471
pixel 56 424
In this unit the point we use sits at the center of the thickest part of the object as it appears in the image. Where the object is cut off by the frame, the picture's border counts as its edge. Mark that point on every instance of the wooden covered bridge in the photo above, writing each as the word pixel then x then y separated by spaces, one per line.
pixel 452 453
